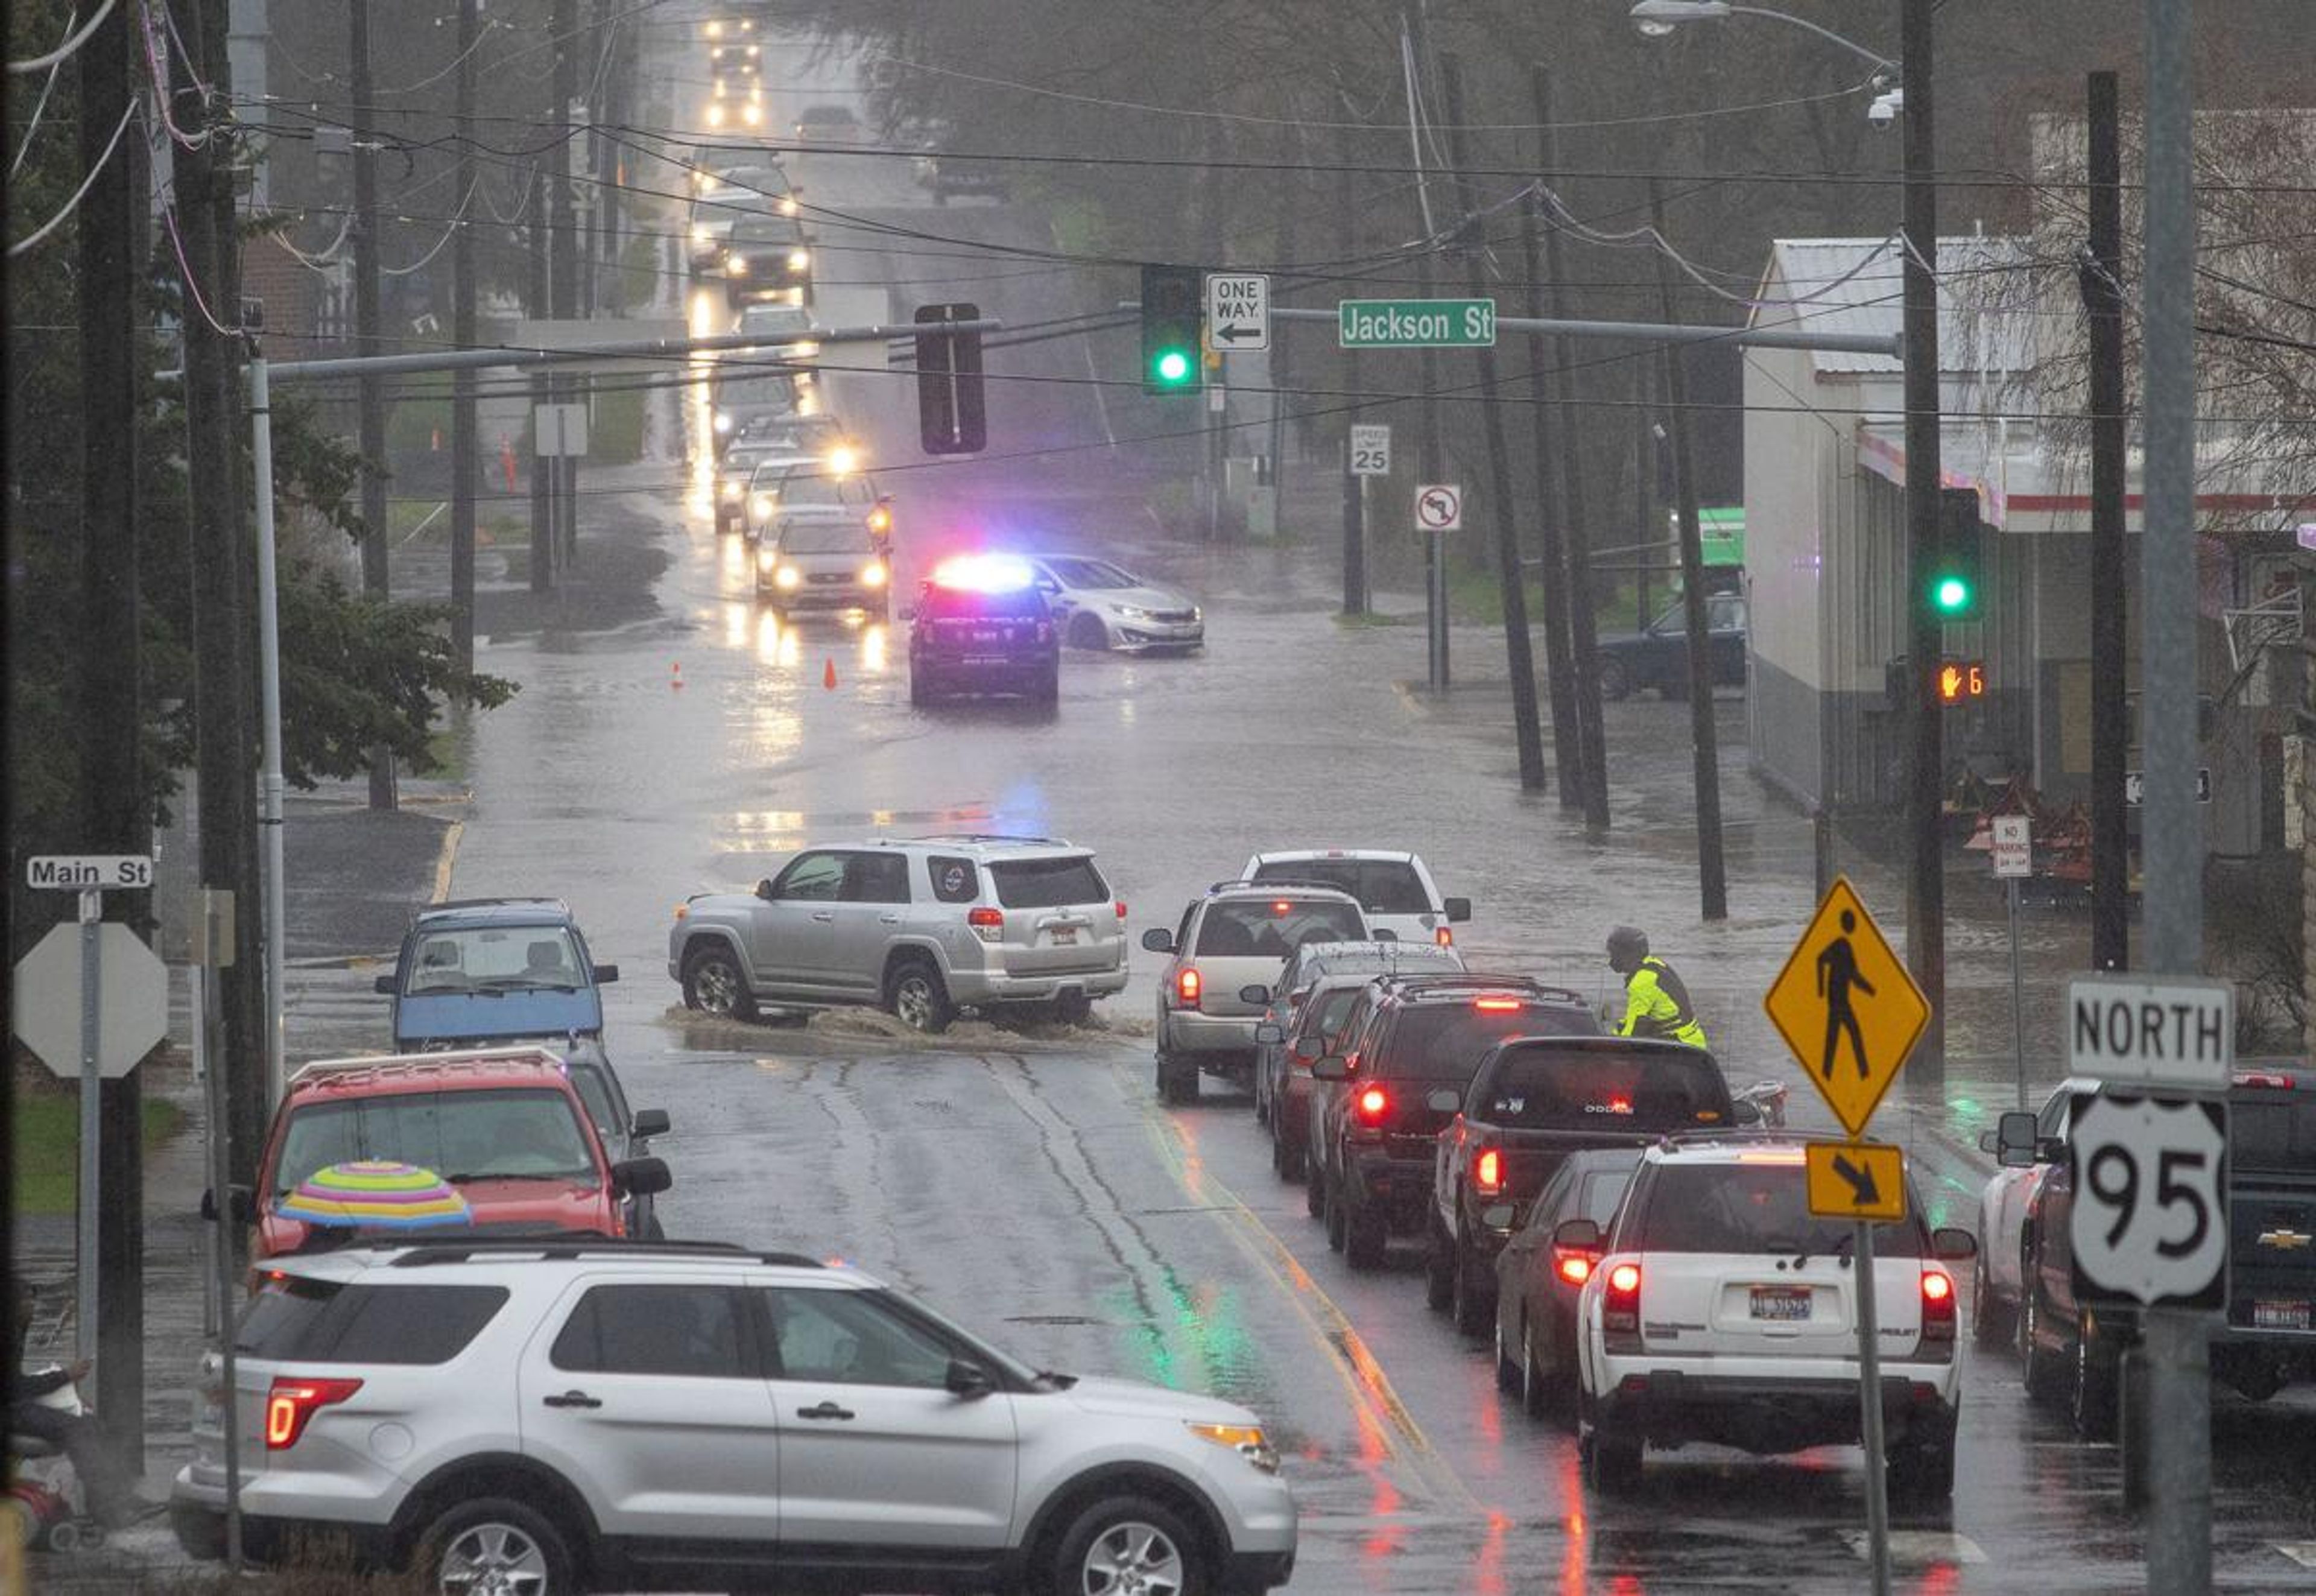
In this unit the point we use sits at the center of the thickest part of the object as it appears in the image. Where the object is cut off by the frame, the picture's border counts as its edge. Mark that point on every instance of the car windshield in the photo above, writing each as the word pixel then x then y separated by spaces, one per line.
pixel 766 229
pixel 775 321
pixel 1073 572
pixel 826 537
pixel 1333 1009
pixel 489 1132
pixel 1759 1206
pixel 1382 886
pixel 1273 928
pixel 1048 883
pixel 807 486
pixel 1578 1088
pixel 2272 1131
pixel 495 959
pixel 1445 1040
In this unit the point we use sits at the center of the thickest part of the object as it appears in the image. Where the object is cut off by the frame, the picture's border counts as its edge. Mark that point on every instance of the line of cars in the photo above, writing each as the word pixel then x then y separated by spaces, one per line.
pixel 1633 1235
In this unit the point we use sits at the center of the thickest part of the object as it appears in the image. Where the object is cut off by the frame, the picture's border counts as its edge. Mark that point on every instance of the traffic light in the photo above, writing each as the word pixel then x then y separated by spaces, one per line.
pixel 951 416
pixel 1172 312
pixel 1961 681
pixel 1954 586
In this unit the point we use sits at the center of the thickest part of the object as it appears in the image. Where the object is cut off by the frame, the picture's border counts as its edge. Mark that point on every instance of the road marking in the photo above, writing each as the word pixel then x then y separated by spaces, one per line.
pixel 1917 1548
pixel 2303 1552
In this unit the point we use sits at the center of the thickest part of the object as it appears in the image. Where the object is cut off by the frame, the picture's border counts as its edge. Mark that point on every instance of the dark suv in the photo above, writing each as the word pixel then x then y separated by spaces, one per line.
pixel 1373 1127
pixel 980 625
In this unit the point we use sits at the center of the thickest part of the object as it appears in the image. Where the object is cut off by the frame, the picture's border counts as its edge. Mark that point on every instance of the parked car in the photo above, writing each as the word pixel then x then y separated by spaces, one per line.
pixel 919 927
pixel 981 626
pixel 827 124
pixel 1539 1282
pixel 584 1415
pixel 824 557
pixel 1100 605
pixel 2072 1351
pixel 1394 886
pixel 1292 1032
pixel 1532 1104
pixel 1998 1270
pixel 943 175
pixel 1718 1308
pixel 1221 960
pixel 1658 656
pixel 508 1128
pixel 493 969
pixel 1377 1108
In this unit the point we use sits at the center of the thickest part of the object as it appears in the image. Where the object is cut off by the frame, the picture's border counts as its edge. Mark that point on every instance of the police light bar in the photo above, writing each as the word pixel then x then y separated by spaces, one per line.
pixel 983 572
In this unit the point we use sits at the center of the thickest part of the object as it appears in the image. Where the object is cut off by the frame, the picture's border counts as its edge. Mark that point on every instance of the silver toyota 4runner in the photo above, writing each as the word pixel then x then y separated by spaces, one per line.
pixel 920 927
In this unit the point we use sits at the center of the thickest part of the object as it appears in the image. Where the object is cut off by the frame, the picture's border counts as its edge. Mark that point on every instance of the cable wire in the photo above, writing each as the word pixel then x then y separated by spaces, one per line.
pixel 32 238
pixel 64 52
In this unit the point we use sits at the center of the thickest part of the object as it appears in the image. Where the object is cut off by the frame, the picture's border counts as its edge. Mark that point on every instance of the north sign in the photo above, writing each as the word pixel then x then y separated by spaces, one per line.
pixel 2162 1033
pixel 1415 324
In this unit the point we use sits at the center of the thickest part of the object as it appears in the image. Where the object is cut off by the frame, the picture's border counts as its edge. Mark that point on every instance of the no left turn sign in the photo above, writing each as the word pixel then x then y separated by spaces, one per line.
pixel 1440 507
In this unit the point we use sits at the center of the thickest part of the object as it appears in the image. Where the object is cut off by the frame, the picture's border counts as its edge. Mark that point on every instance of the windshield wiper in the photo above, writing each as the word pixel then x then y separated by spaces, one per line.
pixel 499 986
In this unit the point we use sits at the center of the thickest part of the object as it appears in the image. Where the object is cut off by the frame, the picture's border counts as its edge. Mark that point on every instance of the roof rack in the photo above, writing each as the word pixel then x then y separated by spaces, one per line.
pixel 991 836
pixel 565 1245
pixel 514 1053
pixel 491 903
pixel 1480 980
pixel 1773 1136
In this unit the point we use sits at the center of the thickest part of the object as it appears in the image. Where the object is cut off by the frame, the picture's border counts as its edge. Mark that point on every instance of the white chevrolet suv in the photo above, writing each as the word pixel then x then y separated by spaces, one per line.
pixel 1719 1309
pixel 532 1418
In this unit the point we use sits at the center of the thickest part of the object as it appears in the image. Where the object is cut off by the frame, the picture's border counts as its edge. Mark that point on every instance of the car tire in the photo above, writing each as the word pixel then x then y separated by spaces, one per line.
pixel 715 984
pixel 2044 1377
pixel 914 995
pixel 1086 631
pixel 1074 1008
pixel 1439 1267
pixel 1178 1081
pixel 921 691
pixel 1116 1536
pixel 1314 1188
pixel 2092 1391
pixel 1990 1316
pixel 1615 681
pixel 1542 1394
pixel 1292 1161
pixel 1923 1472
pixel 1047 689
pixel 1611 1459
pixel 470 1538
pixel 1508 1372
pixel 1338 1229
pixel 1471 1303
pixel 1365 1238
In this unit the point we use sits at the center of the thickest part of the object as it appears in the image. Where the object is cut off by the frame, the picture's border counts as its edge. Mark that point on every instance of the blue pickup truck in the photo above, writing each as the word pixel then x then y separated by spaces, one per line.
pixel 484 970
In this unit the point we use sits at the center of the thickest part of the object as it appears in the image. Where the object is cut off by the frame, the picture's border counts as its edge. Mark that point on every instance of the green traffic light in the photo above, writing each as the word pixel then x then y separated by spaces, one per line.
pixel 1172 367
pixel 1951 595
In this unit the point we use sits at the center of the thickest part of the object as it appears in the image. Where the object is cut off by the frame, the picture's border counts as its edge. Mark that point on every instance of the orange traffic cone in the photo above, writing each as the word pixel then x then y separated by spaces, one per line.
pixel 675 674
pixel 828 672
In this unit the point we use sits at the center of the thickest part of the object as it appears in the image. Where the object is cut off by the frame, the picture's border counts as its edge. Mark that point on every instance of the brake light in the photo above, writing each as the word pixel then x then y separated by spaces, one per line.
pixel 1497 1005
pixel 1620 1309
pixel 1187 986
pixel 1045 631
pixel 1488 1171
pixel 2264 1078
pixel 1373 1104
pixel 988 925
pixel 291 1403
pixel 1444 937
pixel 1574 1268
pixel 1122 909
pixel 1282 908
pixel 1937 1314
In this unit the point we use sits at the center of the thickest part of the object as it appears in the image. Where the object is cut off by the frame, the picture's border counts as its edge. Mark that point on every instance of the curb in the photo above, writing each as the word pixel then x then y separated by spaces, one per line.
pixel 447 861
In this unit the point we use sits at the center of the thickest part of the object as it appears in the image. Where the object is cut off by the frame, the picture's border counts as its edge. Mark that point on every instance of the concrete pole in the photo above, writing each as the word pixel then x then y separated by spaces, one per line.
pixel 269 687
pixel 2103 298
pixel 371 388
pixel 1925 901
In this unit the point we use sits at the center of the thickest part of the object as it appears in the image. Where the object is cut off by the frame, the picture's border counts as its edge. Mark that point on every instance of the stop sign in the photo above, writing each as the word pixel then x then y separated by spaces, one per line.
pixel 132 1000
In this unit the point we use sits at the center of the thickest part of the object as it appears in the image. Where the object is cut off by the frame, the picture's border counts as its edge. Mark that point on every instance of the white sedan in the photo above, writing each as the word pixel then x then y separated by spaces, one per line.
pixel 1103 606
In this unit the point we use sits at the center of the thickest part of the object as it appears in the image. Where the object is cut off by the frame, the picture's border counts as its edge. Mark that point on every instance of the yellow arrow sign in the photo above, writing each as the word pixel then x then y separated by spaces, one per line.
pixel 1856 1181
pixel 1847 1007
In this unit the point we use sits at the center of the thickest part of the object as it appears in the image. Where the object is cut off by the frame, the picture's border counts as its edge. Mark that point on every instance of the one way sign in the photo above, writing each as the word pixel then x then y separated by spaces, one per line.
pixel 1238 310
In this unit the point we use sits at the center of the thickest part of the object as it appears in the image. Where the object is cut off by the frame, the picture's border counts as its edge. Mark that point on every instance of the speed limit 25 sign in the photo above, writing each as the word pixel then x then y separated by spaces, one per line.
pixel 2149 1220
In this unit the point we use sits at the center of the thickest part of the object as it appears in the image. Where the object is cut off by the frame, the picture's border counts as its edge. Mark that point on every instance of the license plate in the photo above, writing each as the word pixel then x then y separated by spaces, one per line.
pixel 1065 936
pixel 1780 1305
pixel 2280 1315
pixel 985 635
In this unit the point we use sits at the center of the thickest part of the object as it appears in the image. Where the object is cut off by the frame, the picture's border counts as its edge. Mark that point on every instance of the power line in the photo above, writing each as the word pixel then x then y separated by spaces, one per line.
pixel 64 52
pixel 87 183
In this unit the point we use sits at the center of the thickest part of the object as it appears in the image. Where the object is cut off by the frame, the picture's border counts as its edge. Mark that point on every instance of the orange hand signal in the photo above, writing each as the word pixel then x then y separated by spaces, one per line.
pixel 1949 684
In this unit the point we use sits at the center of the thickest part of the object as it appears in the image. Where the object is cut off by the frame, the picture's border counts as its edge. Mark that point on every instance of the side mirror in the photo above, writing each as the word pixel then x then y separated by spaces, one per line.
pixel 649 1122
pixel 764 889
pixel 1578 1235
pixel 968 1380
pixel 1954 1247
pixel 606 973
pixel 1444 1101
pixel 1499 1215
pixel 1460 909
pixel 1743 1112
pixel 2014 1139
pixel 1333 1067
pixel 1310 1048
pixel 1158 939
pixel 641 1177
pixel 382 984
pixel 1254 992
pixel 1269 1034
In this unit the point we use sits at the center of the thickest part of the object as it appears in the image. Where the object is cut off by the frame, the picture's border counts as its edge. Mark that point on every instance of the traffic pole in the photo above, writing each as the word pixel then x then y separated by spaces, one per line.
pixel 1869 1413
pixel 91 1083
pixel 270 781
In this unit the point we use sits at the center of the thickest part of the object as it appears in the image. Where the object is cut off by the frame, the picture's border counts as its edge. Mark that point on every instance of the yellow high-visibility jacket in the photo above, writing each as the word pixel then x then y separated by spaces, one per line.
pixel 1656 1004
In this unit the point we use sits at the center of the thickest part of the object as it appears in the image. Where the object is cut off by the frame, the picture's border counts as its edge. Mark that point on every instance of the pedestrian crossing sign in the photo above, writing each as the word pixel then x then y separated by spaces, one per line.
pixel 1847 1008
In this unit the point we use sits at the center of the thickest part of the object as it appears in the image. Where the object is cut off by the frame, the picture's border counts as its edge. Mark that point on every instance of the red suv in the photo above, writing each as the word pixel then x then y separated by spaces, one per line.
pixel 505 1127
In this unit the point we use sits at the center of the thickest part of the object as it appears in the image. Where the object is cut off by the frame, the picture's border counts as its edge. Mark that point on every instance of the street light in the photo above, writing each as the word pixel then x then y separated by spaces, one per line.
pixel 1658 17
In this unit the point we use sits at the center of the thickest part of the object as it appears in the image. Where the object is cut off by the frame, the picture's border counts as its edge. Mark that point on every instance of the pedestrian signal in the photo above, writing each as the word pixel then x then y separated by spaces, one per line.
pixel 1960 681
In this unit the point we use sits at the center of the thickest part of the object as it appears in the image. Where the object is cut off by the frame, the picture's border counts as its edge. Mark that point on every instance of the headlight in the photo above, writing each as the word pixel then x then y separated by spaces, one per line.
pixel 1247 1441
pixel 788 206
pixel 728 491
pixel 714 116
pixel 881 520
pixel 804 351
pixel 787 577
pixel 799 258
pixel 1197 614
pixel 762 506
pixel 1129 611
pixel 751 52
pixel 737 265
pixel 701 232
pixel 723 421
pixel 872 574
pixel 767 559
pixel 754 115
pixel 715 30
pixel 843 459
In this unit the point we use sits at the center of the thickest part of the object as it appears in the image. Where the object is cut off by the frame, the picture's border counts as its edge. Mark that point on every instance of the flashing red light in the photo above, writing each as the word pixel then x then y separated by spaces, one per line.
pixel 1574 1268
pixel 983 572
pixel 1497 1005
pixel 291 1403
pixel 1487 1169
pixel 1625 1278
pixel 1187 983
pixel 1373 1103
pixel 1444 937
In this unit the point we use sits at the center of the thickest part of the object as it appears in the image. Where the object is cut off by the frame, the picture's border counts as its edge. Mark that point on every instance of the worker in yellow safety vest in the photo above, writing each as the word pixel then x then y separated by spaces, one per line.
pixel 1656 1001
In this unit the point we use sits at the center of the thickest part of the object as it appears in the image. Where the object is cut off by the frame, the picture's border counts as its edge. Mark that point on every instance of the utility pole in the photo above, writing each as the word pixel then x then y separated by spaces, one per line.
pixel 1926 895
pixel 564 262
pixel 1712 883
pixel 464 443
pixel 2177 1440
pixel 1519 659
pixel 536 300
pixel 2102 288
pixel 371 390
pixel 1355 487
pixel 1584 641
pixel 113 790
pixel 1552 511
pixel 1429 455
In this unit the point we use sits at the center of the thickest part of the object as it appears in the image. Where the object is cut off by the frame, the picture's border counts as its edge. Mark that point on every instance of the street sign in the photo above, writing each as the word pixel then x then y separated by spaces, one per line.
pixel 1440 507
pixel 1856 1181
pixel 2175 1033
pixel 1847 1007
pixel 132 998
pixel 2149 1220
pixel 558 431
pixel 2134 786
pixel 1370 451
pixel 1238 309
pixel 82 872
pixel 2014 847
pixel 1415 324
